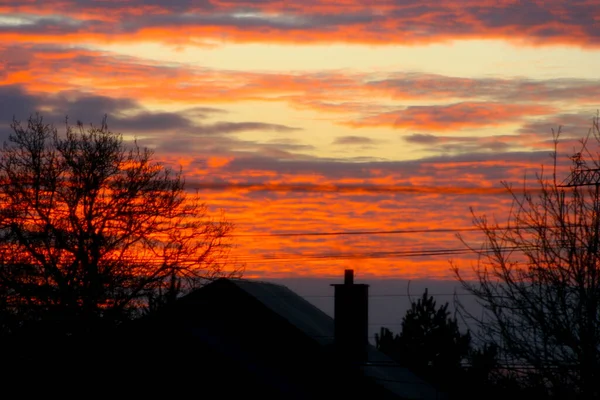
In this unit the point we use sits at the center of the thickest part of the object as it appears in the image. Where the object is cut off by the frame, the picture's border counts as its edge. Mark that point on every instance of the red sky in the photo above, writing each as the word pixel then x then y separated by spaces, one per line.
pixel 321 116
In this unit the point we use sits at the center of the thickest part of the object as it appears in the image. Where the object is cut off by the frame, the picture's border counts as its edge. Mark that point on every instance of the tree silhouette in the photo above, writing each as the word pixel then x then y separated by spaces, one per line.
pixel 92 229
pixel 430 342
pixel 538 279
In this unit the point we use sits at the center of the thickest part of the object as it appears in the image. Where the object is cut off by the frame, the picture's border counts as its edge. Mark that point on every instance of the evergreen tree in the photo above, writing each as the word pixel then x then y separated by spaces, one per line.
pixel 430 342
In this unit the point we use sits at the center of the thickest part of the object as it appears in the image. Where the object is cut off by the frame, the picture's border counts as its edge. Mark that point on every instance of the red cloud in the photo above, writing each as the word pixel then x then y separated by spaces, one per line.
pixel 431 198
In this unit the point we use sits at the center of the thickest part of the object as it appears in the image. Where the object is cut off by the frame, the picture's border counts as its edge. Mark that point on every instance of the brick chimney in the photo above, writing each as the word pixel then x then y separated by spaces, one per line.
pixel 351 318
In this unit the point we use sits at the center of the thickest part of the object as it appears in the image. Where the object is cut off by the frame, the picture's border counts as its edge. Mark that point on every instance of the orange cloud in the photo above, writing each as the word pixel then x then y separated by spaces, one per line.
pixel 218 162
pixel 326 196
pixel 408 218
pixel 351 95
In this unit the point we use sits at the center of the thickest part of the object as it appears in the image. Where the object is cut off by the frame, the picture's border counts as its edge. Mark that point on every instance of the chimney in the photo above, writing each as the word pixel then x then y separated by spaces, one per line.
pixel 351 318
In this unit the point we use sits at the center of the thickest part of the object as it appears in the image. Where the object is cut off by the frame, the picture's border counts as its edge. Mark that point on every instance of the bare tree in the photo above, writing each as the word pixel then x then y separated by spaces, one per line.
pixel 92 228
pixel 538 279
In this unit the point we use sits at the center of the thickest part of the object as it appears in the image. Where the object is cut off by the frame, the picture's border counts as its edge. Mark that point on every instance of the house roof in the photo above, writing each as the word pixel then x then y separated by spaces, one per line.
pixel 276 339
pixel 295 309
pixel 319 326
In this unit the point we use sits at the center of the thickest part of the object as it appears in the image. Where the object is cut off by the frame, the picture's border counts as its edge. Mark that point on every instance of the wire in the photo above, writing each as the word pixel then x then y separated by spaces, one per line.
pixel 340 233
pixel 346 188
pixel 390 295
pixel 397 231
pixel 264 258
pixel 371 255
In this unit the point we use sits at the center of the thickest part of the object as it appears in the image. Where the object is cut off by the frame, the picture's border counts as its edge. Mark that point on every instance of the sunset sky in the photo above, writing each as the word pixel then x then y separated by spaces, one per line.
pixel 320 116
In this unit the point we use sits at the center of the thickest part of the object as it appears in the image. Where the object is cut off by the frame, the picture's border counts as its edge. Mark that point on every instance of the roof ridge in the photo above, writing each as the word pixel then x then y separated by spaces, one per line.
pixel 259 282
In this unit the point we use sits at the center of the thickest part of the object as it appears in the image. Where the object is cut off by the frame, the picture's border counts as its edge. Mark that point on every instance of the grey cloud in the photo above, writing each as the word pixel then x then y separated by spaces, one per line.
pixel 58 25
pixel 289 144
pixel 341 168
pixel 282 152
pixel 474 146
pixel 574 125
pixel 353 140
pixel 263 20
pixel 430 18
pixel 422 138
pixel 165 5
pixel 127 116
pixel 151 121
pixel 459 144
pixel 238 18
pixel 508 89
pixel 419 85
pixel 203 112
pixel 190 142
pixel 157 120
pixel 123 114
pixel 519 14
pixel 427 19
pixel 180 5
pixel 14 101
pixel 87 107
pixel 220 128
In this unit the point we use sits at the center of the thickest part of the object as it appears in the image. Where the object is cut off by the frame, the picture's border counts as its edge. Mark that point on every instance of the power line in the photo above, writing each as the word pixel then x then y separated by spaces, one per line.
pixel 373 254
pixel 345 188
pixel 341 233
pixel 392 295
pixel 248 258
pixel 403 231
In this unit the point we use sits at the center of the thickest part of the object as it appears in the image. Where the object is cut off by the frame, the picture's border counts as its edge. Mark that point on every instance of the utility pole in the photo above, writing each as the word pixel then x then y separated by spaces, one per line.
pixel 581 176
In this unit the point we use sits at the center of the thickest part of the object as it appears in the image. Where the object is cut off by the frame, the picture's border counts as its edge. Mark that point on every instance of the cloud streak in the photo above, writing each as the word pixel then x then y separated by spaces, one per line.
pixel 356 189
pixel 324 21
pixel 342 196
pixel 354 140
pixel 454 116
pixel 129 117
pixel 349 99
